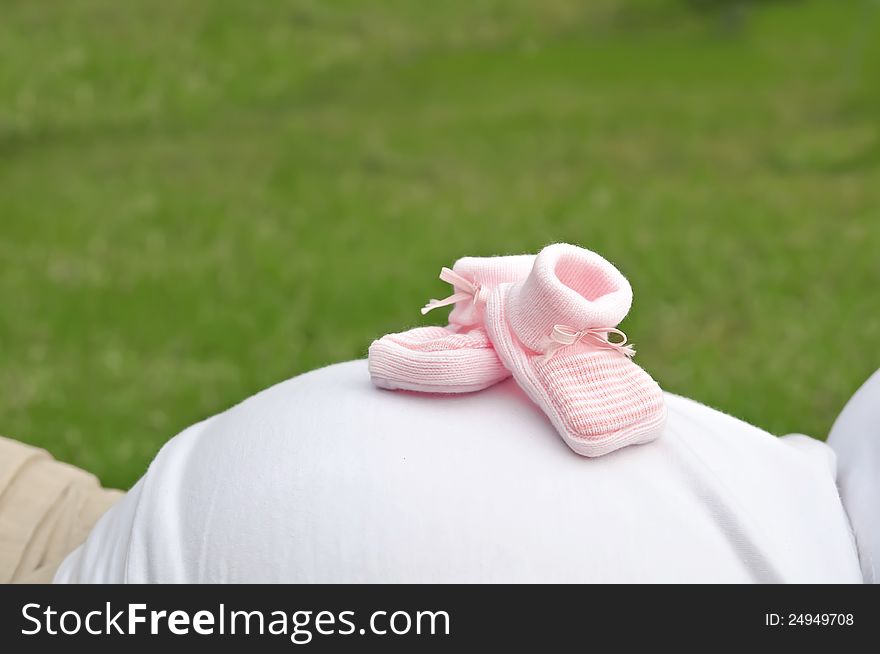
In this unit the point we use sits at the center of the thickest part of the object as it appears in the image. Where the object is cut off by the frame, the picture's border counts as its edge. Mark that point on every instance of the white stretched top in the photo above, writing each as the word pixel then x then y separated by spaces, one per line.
pixel 324 478
pixel 855 438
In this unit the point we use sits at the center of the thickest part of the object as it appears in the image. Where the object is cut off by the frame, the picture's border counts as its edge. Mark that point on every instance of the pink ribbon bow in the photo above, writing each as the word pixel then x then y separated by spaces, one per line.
pixel 562 336
pixel 470 290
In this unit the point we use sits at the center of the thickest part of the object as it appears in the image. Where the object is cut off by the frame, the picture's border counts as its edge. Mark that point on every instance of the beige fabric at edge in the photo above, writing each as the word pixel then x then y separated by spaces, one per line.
pixel 47 509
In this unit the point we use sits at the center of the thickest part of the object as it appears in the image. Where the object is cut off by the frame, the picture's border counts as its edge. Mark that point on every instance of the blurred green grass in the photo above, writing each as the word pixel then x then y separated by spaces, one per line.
pixel 199 199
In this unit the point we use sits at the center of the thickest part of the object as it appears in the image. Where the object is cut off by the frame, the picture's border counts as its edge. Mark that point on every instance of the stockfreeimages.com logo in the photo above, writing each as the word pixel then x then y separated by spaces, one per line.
pixel 300 626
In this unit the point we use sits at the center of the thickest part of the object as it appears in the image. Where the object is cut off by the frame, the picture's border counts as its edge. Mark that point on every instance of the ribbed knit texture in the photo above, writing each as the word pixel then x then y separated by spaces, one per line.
pixel 598 399
pixel 488 272
pixel 567 286
pixel 457 359
pixel 445 363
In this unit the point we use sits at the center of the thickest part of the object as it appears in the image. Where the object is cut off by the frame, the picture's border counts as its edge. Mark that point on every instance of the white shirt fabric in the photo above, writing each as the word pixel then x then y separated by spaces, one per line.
pixel 324 478
pixel 855 438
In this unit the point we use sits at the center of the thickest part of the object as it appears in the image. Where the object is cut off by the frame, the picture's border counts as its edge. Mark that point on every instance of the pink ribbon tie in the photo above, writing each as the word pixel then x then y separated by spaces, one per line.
pixel 470 290
pixel 562 336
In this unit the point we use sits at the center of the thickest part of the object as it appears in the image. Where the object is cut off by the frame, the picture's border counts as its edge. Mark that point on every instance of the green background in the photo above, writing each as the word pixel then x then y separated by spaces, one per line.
pixel 200 199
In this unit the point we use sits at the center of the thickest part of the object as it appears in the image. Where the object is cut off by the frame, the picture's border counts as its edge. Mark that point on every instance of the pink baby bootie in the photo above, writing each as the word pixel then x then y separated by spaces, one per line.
pixel 556 331
pixel 454 359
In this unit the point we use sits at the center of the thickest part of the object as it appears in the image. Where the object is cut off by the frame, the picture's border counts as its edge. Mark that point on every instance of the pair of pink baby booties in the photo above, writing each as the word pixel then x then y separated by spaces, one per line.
pixel 550 321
